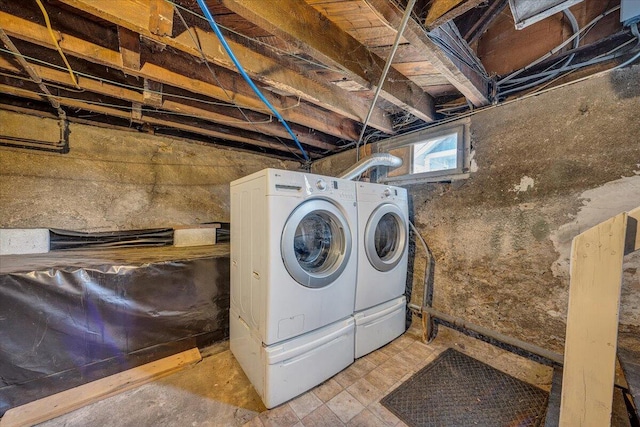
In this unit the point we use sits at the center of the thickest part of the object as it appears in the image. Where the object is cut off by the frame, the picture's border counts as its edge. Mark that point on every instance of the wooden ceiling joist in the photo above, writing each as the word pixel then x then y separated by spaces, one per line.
pixel 260 67
pixel 479 25
pixel 158 64
pixel 442 11
pixel 129 42
pixel 160 17
pixel 137 98
pixel 303 114
pixel 305 27
pixel 468 81
pixel 217 132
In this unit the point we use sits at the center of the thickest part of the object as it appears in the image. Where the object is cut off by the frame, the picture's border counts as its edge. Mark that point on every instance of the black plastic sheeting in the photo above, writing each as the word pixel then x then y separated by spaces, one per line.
pixel 62 327
pixel 65 239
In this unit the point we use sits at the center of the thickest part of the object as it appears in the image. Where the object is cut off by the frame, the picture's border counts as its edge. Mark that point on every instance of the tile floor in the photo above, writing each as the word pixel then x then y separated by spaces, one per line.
pixel 352 397
pixel 216 392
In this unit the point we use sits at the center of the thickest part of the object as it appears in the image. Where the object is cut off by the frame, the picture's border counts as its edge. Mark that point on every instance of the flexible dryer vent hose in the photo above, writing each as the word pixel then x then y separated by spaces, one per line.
pixel 376 159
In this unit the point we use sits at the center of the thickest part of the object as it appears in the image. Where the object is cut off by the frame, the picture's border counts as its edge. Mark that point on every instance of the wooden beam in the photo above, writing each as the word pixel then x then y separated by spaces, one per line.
pixel 218 132
pixel 204 111
pixel 260 67
pixel 442 11
pixel 481 24
pixel 152 94
pixel 439 8
pixel 136 112
pixel 161 17
pixel 468 81
pixel 592 324
pixel 303 114
pixel 64 402
pixel 129 48
pixel 301 25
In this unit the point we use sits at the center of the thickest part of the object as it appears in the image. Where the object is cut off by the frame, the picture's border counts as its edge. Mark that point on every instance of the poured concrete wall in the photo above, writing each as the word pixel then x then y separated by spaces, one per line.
pixel 549 167
pixel 116 180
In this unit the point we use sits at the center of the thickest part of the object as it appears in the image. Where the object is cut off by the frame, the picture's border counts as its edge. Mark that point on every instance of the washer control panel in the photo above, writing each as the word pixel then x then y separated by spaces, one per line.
pixel 308 185
pixel 321 184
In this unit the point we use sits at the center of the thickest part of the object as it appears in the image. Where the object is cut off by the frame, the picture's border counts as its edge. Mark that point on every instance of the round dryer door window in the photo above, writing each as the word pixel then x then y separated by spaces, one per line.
pixel 316 243
pixel 385 237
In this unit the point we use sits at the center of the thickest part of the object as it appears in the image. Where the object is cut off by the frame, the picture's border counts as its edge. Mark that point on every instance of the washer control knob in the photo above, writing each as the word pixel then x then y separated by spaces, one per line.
pixel 321 185
pixel 387 192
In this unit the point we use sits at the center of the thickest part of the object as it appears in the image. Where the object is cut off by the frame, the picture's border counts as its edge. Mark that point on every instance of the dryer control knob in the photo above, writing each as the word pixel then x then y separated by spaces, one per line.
pixel 321 185
pixel 387 192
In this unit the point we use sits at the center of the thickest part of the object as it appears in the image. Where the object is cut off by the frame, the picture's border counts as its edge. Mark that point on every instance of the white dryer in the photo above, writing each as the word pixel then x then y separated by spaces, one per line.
pixel 293 252
pixel 383 235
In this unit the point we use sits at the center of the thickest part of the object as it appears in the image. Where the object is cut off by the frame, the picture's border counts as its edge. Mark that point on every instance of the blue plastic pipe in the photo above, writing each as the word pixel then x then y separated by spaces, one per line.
pixel 224 43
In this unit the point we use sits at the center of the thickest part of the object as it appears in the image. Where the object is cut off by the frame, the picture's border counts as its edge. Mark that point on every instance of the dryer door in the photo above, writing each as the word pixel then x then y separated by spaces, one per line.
pixel 316 243
pixel 385 237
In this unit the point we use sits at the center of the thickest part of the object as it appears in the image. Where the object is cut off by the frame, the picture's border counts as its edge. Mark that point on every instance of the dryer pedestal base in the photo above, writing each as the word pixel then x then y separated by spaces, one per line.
pixel 379 325
pixel 284 370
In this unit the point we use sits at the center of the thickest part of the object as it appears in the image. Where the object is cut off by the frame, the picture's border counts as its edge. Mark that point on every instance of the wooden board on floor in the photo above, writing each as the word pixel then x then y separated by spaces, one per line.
pixel 592 324
pixel 69 400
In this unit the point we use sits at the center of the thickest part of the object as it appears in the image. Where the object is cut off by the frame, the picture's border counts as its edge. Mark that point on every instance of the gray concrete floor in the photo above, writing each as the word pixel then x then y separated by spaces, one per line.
pixel 215 392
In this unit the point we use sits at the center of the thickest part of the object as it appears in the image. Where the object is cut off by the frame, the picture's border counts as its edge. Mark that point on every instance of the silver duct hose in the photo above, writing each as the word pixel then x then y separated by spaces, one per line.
pixel 376 159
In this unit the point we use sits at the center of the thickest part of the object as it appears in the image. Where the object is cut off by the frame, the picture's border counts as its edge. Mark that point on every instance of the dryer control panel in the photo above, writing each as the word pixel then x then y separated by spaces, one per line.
pixel 371 192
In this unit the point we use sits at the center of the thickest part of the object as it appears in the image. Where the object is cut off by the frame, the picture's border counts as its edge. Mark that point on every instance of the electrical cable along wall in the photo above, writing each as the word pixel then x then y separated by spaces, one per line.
pixel 510 84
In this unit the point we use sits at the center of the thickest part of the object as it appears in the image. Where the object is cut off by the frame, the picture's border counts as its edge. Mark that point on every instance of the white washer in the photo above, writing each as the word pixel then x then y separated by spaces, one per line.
pixel 293 277
pixel 293 252
pixel 383 235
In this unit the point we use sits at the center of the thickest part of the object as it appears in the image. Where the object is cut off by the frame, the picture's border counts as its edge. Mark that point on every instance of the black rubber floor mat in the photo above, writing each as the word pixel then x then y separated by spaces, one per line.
pixel 456 390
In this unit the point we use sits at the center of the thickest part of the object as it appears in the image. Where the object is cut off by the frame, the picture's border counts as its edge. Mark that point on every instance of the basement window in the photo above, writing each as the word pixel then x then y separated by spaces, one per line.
pixel 432 155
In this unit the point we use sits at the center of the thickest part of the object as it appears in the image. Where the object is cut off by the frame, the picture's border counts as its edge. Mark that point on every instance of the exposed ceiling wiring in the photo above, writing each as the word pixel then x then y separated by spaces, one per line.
pixel 128 108
pixel 520 98
pixel 28 79
pixel 611 55
pixel 137 88
pixel 510 83
pixel 471 60
pixel 215 76
pixel 120 84
pixel 258 41
pixel 576 42
pixel 405 19
pixel 553 51
pixel 33 75
pixel 55 42
pixel 246 77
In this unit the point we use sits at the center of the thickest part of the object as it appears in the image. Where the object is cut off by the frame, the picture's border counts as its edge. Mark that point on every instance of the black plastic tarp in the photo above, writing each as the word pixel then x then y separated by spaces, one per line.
pixel 64 326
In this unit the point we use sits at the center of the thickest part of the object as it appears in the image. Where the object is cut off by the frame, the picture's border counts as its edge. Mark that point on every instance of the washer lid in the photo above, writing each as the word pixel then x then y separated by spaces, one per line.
pixel 316 243
pixel 385 237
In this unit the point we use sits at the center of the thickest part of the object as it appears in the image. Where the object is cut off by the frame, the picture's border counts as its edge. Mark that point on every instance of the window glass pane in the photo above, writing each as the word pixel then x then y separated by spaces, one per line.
pixel 436 154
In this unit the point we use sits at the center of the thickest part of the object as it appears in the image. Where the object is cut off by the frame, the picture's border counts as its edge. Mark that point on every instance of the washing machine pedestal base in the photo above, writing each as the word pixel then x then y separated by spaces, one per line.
pixel 282 371
pixel 379 325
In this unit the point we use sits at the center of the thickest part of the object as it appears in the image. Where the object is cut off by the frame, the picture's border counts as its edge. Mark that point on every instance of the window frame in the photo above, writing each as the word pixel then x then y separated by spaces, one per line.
pixel 463 155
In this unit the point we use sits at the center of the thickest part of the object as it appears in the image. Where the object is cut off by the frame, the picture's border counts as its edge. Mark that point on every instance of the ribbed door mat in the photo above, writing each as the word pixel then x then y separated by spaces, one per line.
pixel 457 390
